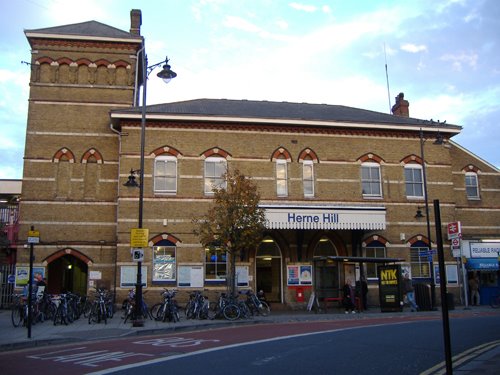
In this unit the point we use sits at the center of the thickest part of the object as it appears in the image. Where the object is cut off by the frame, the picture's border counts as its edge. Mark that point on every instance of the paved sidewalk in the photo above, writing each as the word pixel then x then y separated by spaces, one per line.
pixel 11 338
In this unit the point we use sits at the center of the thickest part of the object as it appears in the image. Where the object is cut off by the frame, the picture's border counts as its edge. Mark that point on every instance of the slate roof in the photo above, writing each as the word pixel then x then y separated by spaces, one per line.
pixel 83 29
pixel 278 110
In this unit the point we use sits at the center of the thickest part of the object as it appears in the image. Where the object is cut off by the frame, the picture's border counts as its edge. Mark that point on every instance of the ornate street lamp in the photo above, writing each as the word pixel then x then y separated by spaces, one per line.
pixel 167 75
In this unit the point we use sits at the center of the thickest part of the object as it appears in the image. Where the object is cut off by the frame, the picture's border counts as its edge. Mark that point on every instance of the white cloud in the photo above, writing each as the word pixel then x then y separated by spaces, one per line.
pixel 413 48
pixel 303 7
pixel 460 59
pixel 326 9
pixel 282 24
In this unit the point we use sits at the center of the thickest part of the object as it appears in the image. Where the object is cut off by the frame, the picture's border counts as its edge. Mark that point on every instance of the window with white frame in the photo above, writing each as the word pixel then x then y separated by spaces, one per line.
pixel 308 178
pixel 370 180
pixel 471 185
pixel 165 174
pixel 281 177
pixel 414 181
pixel 375 250
pixel 215 263
pixel 419 261
pixel 164 264
pixel 215 168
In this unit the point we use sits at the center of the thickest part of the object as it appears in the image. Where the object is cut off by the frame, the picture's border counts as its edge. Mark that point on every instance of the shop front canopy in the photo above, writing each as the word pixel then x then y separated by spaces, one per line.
pixel 482 264
pixel 351 259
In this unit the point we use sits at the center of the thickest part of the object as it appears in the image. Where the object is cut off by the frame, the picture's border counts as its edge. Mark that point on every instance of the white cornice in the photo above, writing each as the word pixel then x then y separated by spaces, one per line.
pixel 83 38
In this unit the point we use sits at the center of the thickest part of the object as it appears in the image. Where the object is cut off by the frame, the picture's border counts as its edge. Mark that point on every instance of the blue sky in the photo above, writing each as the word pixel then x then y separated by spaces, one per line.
pixel 443 54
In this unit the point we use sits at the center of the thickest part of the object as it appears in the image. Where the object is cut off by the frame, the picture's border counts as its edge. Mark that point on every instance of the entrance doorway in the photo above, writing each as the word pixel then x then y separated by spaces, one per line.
pixel 326 271
pixel 268 270
pixel 67 274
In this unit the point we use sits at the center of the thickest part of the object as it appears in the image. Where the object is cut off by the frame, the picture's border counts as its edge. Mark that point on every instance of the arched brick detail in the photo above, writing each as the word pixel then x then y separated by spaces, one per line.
pixel 216 151
pixel 121 64
pixel 166 150
pixel 64 60
pixel 370 157
pixel 44 60
pixel 418 237
pixel 281 152
pixel 373 238
pixel 102 62
pixel 412 159
pixel 333 237
pixel 161 237
pixel 64 152
pixel 92 152
pixel 308 154
pixel 68 251
pixel 83 62
pixel 471 168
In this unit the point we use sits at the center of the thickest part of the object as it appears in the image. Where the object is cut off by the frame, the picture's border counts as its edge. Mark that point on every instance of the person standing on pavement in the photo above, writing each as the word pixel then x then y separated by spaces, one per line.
pixel 362 292
pixel 410 292
pixel 348 297
pixel 474 290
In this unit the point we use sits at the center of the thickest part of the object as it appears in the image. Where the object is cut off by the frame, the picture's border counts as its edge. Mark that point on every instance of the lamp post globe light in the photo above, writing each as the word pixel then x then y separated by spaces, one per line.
pixel 167 75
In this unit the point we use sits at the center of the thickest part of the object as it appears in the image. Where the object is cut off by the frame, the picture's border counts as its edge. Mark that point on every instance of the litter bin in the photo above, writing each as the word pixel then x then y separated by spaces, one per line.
pixel 450 299
pixel 423 297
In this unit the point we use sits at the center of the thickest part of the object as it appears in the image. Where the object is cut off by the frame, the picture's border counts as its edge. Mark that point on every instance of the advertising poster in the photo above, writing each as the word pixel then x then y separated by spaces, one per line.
pixel 190 276
pixel 128 276
pixel 242 275
pixel 390 288
pixel 299 275
pixel 22 275
pixel 293 275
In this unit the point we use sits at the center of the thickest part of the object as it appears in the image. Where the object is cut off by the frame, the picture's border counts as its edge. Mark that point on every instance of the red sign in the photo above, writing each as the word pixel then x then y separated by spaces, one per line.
pixel 454 230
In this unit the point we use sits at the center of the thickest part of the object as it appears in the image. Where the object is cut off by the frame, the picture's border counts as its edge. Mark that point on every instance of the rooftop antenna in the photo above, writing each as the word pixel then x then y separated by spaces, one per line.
pixel 387 79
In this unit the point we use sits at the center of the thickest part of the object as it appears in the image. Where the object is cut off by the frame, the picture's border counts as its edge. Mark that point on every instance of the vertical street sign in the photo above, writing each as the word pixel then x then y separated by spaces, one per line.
pixel 454 230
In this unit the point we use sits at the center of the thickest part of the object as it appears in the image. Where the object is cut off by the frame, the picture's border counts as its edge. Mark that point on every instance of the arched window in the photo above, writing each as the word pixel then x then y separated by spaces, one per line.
pixel 419 260
pixel 370 180
pixel 324 248
pixel 373 249
pixel 308 177
pixel 281 177
pixel 164 261
pixel 165 174
pixel 215 168
pixel 471 185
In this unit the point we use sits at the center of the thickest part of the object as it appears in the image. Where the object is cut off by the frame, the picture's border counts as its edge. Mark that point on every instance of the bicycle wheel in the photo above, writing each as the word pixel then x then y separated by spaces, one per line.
pixel 93 314
pixel 190 310
pixel 231 312
pixel 264 309
pixel 58 315
pixel 17 315
pixel 174 314
pixel 156 311
pixel 103 312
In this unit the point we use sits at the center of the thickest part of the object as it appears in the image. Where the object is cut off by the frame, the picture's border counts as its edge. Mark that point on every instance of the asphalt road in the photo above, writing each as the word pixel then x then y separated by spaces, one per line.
pixel 407 345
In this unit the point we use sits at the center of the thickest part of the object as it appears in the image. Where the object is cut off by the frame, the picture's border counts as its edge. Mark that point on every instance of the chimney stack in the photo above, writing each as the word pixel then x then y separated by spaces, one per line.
pixel 401 108
pixel 135 22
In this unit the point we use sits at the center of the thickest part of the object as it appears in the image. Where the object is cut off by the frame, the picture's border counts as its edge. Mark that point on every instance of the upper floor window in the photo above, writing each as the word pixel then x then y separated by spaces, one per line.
pixel 215 169
pixel 281 177
pixel 471 185
pixel 414 181
pixel 308 178
pixel 370 180
pixel 165 174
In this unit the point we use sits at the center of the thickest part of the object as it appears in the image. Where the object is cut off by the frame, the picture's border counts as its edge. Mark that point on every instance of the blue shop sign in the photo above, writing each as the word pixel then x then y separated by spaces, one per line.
pixel 482 264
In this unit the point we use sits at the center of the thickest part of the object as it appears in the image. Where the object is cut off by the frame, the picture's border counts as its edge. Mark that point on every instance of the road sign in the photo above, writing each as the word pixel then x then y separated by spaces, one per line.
pixel 139 237
pixel 454 230
pixel 137 255
pixel 34 236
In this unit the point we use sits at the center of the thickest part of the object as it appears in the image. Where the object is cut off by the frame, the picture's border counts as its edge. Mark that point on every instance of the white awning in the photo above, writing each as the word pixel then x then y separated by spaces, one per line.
pixel 324 217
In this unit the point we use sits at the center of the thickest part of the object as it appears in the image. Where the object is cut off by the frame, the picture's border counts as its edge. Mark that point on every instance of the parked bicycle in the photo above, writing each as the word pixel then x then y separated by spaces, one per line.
pixel 198 306
pixel 166 310
pixel 100 307
pixel 129 307
pixel 256 305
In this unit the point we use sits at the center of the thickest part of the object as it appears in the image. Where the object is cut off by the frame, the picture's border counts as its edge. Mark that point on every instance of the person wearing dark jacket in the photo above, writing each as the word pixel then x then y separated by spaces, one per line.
pixel 348 297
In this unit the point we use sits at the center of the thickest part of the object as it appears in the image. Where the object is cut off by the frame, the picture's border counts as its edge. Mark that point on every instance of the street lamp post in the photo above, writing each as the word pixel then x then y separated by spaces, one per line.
pixel 167 75
pixel 439 140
